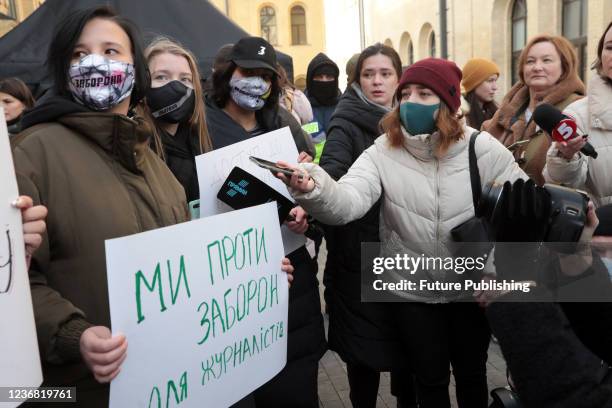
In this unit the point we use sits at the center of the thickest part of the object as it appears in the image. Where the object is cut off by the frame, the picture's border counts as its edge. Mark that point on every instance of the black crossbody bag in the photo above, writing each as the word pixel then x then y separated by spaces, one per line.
pixel 473 231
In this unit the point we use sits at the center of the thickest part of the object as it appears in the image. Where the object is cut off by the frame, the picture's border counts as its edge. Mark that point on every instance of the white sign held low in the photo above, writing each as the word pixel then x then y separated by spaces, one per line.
pixel 214 167
pixel 19 356
pixel 203 305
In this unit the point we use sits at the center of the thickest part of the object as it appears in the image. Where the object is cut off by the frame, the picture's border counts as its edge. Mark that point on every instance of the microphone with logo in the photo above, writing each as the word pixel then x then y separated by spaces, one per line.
pixel 560 127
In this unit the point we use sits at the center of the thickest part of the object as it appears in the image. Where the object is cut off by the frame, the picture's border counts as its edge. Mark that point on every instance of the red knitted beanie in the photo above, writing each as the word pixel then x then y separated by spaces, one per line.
pixel 440 75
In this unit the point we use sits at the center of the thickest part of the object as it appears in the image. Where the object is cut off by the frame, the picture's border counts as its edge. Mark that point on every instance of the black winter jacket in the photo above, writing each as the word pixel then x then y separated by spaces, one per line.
pixel 180 151
pixel 362 333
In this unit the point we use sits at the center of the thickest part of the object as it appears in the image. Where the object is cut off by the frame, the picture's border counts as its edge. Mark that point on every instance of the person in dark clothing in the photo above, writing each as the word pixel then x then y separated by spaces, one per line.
pixel 82 156
pixel 355 327
pixel 323 93
pixel 243 103
pixel 175 108
pixel 558 354
pixel 15 98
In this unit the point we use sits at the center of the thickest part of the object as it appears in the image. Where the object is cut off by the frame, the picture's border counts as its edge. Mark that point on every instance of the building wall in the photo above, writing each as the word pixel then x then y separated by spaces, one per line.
pixel 245 13
pixel 21 10
pixel 343 36
pixel 476 28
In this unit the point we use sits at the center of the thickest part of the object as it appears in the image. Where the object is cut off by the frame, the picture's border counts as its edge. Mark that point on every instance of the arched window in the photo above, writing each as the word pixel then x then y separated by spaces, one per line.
pixel 575 30
pixel 267 22
pixel 432 44
pixel 519 34
pixel 410 53
pixel 298 25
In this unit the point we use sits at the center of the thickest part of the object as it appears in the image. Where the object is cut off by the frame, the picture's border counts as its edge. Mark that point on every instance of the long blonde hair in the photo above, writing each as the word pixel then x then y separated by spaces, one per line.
pixel 197 122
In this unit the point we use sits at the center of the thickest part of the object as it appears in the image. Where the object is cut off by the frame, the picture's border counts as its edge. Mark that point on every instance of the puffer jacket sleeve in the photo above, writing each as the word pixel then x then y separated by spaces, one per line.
pixel 52 312
pixel 495 162
pixel 559 170
pixel 350 198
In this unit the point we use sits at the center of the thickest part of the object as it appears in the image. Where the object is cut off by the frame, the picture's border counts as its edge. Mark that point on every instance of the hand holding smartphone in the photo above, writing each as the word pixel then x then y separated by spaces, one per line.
pixel 268 165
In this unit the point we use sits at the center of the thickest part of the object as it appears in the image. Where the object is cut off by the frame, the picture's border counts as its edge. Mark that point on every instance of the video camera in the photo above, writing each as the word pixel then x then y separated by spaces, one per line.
pixel 567 216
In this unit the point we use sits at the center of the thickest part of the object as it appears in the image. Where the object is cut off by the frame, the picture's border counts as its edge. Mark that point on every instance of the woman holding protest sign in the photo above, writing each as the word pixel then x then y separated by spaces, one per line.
pixel 419 169
pixel 244 103
pixel 86 157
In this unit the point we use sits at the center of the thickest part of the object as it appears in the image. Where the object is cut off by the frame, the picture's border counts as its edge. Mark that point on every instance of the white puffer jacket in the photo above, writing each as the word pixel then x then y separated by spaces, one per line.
pixel 593 115
pixel 423 197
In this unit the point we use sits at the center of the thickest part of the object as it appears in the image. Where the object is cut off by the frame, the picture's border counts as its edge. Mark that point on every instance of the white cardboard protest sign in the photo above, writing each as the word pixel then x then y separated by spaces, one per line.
pixel 203 305
pixel 214 167
pixel 19 356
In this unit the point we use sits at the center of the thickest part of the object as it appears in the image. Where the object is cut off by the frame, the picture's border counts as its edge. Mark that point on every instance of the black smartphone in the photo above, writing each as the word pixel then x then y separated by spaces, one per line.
pixel 268 165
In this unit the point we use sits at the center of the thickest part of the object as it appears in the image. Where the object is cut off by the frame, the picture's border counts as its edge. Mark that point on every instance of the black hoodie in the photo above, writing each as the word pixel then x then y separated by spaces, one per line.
pixel 318 61
pixel 322 112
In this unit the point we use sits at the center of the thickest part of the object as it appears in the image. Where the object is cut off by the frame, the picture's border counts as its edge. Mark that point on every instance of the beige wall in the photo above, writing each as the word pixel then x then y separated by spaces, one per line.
pixel 245 13
pixel 476 28
pixel 23 8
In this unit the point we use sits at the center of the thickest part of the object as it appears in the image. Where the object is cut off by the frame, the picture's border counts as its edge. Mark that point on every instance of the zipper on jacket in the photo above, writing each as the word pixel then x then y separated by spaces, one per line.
pixel 437 182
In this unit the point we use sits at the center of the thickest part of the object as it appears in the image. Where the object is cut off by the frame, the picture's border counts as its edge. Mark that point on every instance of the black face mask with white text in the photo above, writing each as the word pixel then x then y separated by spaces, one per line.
pixel 173 102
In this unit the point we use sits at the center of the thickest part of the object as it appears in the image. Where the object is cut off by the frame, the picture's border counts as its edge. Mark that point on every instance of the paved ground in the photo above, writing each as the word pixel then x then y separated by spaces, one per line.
pixel 333 383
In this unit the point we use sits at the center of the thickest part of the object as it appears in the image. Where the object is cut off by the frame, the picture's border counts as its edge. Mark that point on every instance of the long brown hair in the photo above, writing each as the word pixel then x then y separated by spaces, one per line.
pixel 565 49
pixel 18 90
pixel 478 114
pixel 598 65
pixel 448 124
pixel 197 122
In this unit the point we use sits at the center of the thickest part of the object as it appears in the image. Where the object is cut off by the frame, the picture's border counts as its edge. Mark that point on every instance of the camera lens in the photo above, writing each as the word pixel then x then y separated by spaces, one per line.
pixel 489 199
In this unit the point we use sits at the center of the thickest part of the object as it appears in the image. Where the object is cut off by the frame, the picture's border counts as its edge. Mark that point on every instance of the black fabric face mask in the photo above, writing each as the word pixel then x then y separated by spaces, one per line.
pixel 172 103
pixel 325 92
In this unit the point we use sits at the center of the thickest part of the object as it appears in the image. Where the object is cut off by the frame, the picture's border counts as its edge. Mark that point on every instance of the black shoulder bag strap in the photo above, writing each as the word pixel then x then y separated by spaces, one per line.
pixel 474 173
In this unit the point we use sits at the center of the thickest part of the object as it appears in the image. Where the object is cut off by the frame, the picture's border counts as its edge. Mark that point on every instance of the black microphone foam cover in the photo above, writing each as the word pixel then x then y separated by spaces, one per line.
pixel 547 117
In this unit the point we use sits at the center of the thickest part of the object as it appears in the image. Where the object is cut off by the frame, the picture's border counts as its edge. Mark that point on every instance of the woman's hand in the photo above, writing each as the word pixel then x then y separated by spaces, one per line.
pixel 304 158
pixel 571 147
pixel 581 260
pixel 590 225
pixel 33 219
pixel 300 223
pixel 103 353
pixel 288 269
pixel 300 180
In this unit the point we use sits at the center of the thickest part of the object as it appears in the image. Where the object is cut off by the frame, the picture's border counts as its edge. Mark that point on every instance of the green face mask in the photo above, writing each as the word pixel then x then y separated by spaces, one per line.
pixel 418 119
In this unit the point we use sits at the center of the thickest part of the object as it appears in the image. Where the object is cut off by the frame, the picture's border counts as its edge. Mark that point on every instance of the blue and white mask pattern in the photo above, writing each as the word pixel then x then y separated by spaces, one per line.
pixel 250 93
pixel 100 83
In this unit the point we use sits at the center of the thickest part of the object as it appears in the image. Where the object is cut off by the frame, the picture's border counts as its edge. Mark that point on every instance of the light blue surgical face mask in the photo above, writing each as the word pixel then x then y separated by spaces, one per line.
pixel 418 119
